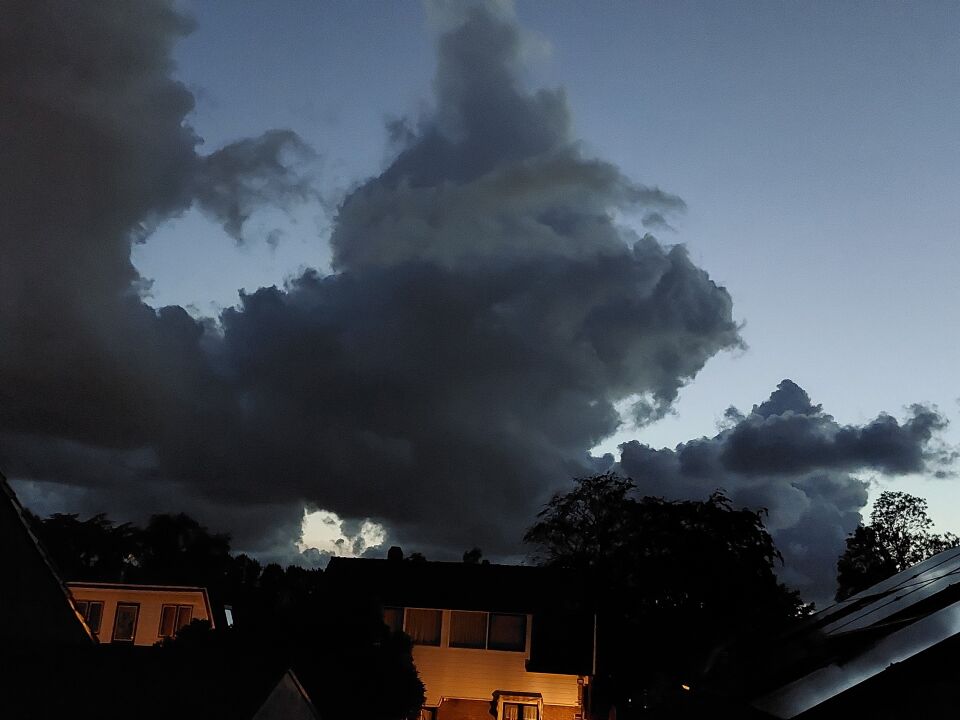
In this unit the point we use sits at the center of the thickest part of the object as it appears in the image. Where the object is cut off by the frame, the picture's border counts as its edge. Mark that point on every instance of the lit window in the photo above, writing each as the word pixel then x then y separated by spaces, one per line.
pixel 125 622
pixel 423 626
pixel 173 618
pixel 507 632
pixel 519 711
pixel 468 629
pixel 228 614
pixel 393 617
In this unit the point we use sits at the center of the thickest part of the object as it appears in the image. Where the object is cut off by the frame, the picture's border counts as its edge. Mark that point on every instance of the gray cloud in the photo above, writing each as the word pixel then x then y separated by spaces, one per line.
pixel 790 457
pixel 250 173
pixel 486 313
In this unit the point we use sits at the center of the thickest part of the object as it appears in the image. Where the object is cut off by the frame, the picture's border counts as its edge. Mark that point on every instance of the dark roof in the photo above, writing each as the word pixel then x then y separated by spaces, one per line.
pixel 854 645
pixel 35 605
pixel 457 585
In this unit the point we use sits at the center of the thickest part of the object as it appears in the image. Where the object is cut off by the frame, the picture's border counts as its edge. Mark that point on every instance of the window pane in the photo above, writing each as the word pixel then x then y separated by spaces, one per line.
pixel 81 607
pixel 529 712
pixel 184 616
pixel 468 629
pixel 508 632
pixel 94 613
pixel 125 625
pixel 511 712
pixel 393 617
pixel 423 626
pixel 168 618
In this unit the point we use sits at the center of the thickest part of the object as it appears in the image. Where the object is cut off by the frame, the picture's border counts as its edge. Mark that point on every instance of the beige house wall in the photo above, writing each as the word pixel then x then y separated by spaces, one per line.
pixel 473 674
pixel 151 600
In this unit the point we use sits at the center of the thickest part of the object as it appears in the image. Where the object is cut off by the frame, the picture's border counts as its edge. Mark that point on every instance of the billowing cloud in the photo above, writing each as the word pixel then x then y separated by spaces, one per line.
pixel 487 310
pixel 790 457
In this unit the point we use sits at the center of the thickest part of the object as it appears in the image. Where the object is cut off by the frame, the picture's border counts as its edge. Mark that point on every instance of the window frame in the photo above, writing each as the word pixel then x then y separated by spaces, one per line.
pixel 116 621
pixel 519 706
pixel 486 631
pixel 406 615
pixel 177 609
pixel 526 628
pixel 395 627
pixel 88 611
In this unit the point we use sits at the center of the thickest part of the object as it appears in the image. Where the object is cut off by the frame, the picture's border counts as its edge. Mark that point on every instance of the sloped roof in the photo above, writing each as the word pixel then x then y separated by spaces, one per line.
pixel 847 644
pixel 35 605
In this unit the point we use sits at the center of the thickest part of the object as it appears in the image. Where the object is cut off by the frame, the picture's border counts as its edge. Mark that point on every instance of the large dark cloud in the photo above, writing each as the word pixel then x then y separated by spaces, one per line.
pixel 486 312
pixel 790 457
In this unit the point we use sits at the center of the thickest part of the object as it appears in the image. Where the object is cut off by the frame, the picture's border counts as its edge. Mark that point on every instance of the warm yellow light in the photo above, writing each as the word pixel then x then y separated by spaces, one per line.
pixel 685 686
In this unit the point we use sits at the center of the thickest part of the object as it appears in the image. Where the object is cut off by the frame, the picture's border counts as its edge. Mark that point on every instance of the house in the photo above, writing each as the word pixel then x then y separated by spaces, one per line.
pixel 54 666
pixel 887 652
pixel 490 641
pixel 139 614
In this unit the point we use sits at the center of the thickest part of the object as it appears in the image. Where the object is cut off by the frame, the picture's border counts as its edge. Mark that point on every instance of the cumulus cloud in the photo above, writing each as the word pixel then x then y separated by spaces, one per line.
pixel 487 309
pixel 253 172
pixel 790 457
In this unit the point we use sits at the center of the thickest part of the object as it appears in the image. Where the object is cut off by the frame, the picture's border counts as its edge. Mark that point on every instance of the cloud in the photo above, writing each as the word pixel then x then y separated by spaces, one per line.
pixel 790 457
pixel 487 309
pixel 251 173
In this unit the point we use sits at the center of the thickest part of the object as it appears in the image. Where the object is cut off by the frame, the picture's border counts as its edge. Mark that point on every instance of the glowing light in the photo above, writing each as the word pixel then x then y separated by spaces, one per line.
pixel 329 533
pixel 685 686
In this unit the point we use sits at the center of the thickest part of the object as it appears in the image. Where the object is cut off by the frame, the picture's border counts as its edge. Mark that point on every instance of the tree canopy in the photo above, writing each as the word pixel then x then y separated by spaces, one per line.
pixel 899 535
pixel 672 580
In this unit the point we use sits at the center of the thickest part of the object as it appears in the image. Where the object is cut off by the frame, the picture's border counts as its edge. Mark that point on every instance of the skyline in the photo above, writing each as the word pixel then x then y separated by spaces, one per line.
pixel 798 176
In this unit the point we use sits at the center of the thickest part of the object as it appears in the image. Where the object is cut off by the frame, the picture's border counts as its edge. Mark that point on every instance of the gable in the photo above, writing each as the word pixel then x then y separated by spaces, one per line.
pixel 35 605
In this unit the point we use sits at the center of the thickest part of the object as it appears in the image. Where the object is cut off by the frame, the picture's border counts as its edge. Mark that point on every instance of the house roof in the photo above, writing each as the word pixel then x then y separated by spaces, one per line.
pixel 898 620
pixel 457 585
pixel 35 605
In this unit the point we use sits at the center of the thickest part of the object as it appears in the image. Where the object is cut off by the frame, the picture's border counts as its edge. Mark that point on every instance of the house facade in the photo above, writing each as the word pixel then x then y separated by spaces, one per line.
pixel 489 641
pixel 139 614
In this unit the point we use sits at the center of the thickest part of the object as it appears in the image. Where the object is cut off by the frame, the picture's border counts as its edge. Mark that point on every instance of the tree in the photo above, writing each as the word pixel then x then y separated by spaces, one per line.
pixel 93 550
pixel 671 581
pixel 898 536
pixel 474 556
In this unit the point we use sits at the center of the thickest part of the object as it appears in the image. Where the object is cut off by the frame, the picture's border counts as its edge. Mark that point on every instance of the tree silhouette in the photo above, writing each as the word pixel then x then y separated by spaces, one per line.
pixel 94 550
pixel 671 581
pixel 898 536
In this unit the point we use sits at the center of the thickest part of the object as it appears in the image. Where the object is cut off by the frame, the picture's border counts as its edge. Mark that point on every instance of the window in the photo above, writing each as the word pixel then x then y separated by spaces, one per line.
pixel 428 713
pixel 423 626
pixel 519 711
pixel 92 612
pixel 393 617
pixel 468 629
pixel 507 632
pixel 125 623
pixel 173 618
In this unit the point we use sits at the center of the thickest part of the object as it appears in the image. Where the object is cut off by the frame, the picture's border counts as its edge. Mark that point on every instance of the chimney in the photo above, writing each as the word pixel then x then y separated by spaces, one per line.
pixel 395 553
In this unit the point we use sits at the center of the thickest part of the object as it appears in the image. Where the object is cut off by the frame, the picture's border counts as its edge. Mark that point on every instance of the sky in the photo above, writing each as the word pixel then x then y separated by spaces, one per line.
pixel 489 230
